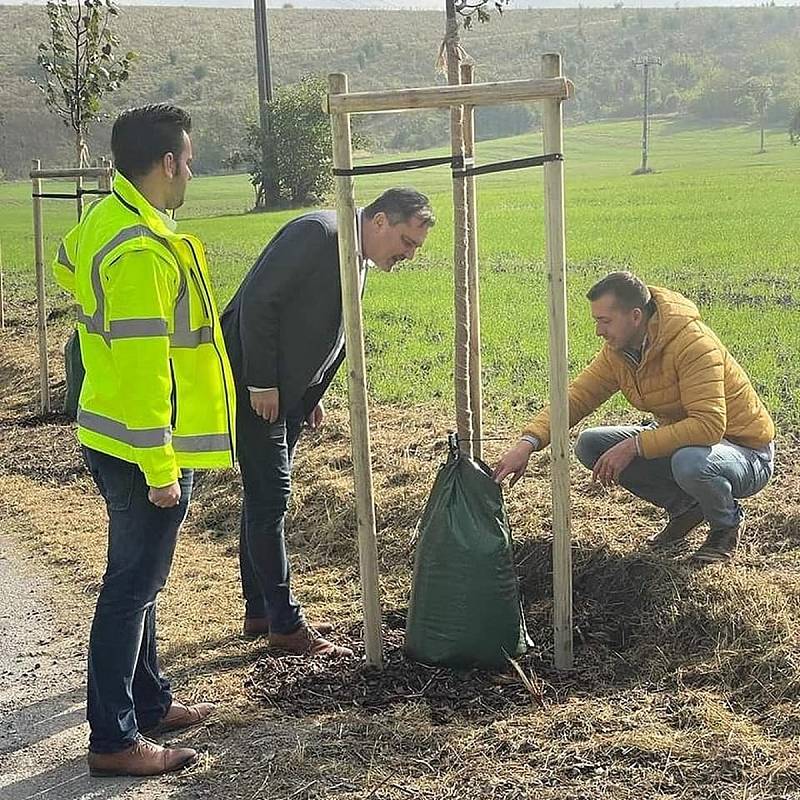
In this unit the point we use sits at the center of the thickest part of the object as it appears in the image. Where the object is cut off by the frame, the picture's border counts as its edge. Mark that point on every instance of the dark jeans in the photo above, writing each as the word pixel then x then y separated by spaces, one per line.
pixel 126 690
pixel 711 477
pixel 265 458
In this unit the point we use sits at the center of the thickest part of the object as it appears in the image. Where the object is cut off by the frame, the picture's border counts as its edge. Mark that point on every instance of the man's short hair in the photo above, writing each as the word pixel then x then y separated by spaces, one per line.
pixel 142 136
pixel 629 291
pixel 402 204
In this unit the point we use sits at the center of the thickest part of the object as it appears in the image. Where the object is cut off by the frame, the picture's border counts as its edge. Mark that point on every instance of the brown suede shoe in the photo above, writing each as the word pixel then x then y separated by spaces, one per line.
pixel 677 529
pixel 720 545
pixel 306 641
pixel 141 759
pixel 259 626
pixel 181 716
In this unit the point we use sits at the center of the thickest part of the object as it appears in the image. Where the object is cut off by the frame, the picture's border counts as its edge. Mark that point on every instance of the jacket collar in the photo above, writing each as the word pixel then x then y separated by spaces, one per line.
pixel 130 197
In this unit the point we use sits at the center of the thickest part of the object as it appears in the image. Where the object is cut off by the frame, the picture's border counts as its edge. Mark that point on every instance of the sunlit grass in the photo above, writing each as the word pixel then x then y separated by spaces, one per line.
pixel 716 220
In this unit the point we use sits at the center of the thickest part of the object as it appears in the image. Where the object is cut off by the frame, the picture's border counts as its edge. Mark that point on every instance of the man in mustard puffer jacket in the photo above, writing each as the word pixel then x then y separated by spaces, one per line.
pixel 711 441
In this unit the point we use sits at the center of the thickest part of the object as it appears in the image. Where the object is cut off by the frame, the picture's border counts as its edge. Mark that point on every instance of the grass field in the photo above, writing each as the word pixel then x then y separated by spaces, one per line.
pixel 716 220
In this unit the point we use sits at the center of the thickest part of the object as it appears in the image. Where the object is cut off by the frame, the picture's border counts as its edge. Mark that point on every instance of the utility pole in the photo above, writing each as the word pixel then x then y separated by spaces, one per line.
pixel 645 63
pixel 268 191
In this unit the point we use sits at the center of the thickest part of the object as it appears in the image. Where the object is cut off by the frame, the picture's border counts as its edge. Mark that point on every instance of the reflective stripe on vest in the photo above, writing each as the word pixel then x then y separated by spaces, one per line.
pixel 136 437
pixel 201 443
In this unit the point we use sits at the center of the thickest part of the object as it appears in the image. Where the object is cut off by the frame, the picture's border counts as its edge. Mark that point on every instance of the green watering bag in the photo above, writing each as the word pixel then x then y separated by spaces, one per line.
pixel 465 607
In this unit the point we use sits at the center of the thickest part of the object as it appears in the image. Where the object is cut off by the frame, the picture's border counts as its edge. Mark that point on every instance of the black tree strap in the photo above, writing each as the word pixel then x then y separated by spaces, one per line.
pixel 505 166
pixel 399 166
pixel 69 196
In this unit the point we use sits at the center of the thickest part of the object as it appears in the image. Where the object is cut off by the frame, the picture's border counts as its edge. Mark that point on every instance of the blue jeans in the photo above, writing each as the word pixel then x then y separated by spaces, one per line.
pixel 711 477
pixel 126 690
pixel 265 458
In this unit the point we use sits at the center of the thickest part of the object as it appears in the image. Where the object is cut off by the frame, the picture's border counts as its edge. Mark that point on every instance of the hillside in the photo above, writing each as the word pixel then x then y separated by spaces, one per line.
pixel 210 67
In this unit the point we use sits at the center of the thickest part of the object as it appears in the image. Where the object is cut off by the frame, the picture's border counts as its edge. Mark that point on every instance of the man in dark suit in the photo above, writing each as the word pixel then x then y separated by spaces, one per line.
pixel 285 339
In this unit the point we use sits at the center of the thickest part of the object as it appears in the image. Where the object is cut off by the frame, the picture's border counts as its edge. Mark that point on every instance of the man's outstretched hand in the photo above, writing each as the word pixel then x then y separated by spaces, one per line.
pixel 513 462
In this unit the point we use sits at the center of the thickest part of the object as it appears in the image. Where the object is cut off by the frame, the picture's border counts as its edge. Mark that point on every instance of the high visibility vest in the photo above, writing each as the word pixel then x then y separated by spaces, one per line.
pixel 158 390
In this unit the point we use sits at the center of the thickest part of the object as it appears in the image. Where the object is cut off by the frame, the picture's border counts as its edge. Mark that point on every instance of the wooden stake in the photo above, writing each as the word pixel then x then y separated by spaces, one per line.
pixel 460 244
pixel 2 296
pixel 356 378
pixel 559 375
pixel 479 94
pixel 41 307
pixel 473 286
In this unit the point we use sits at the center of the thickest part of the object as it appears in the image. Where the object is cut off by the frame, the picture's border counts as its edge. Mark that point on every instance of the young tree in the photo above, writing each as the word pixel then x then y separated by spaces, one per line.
pixel 80 64
pixel 298 143
pixel 759 91
pixel 794 127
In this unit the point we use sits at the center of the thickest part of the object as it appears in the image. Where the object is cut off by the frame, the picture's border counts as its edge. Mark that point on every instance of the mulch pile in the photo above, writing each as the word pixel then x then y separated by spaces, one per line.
pixel 302 686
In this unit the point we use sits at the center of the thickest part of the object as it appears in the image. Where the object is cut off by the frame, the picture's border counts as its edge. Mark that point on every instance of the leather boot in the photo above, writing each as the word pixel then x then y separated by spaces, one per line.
pixel 141 759
pixel 180 716
pixel 677 529
pixel 306 641
pixel 720 545
pixel 259 626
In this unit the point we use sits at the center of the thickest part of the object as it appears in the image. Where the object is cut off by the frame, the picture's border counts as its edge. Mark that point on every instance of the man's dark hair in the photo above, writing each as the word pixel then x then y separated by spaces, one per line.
pixel 402 204
pixel 628 290
pixel 142 136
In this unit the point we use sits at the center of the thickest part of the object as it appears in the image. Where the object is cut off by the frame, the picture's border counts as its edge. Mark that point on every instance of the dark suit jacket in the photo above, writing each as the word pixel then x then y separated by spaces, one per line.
pixel 283 321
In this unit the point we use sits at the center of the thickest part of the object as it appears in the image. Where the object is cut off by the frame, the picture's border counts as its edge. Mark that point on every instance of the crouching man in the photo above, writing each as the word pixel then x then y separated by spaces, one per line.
pixel 711 442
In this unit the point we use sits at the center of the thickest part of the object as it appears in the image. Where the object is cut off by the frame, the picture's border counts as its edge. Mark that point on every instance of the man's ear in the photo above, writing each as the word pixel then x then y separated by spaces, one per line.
pixel 380 219
pixel 169 164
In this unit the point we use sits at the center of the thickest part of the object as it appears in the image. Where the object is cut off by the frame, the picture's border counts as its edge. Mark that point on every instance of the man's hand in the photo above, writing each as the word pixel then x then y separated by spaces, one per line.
pixel 513 462
pixel 611 464
pixel 316 417
pixel 266 404
pixel 165 496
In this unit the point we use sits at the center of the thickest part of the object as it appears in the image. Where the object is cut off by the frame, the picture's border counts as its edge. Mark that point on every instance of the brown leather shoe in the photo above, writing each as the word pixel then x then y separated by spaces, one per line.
pixel 259 626
pixel 306 641
pixel 141 759
pixel 677 529
pixel 720 545
pixel 181 716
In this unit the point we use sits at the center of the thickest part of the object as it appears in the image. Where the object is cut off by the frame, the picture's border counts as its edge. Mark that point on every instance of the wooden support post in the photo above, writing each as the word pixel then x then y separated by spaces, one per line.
pixel 41 307
pixel 356 378
pixel 479 94
pixel 473 286
pixel 460 244
pixel 2 295
pixel 559 374
pixel 104 180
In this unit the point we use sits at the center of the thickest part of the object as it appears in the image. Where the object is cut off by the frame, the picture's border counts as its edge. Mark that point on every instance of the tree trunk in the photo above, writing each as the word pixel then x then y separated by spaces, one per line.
pixel 460 244
pixel 82 153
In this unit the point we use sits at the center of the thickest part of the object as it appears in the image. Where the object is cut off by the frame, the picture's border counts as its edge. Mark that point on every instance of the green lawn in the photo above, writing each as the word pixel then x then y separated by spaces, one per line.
pixel 717 221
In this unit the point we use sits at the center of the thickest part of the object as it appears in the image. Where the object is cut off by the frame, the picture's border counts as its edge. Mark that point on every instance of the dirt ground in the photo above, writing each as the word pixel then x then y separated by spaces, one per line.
pixel 686 682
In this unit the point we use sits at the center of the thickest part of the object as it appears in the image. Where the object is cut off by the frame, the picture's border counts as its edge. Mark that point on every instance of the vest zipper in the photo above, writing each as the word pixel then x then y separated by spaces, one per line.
pixel 205 295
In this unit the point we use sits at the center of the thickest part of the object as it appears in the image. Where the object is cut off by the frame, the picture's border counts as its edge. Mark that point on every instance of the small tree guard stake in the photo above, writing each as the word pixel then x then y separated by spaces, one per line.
pixel 559 374
pixel 103 177
pixel 41 303
pixel 553 89
pixel 356 379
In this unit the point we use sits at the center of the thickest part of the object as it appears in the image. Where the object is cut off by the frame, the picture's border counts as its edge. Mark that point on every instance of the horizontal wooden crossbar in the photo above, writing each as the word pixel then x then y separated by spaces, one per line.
pixel 474 94
pixel 74 172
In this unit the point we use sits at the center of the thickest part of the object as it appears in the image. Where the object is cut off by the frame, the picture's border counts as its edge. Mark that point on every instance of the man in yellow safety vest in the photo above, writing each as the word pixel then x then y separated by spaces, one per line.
pixel 157 401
